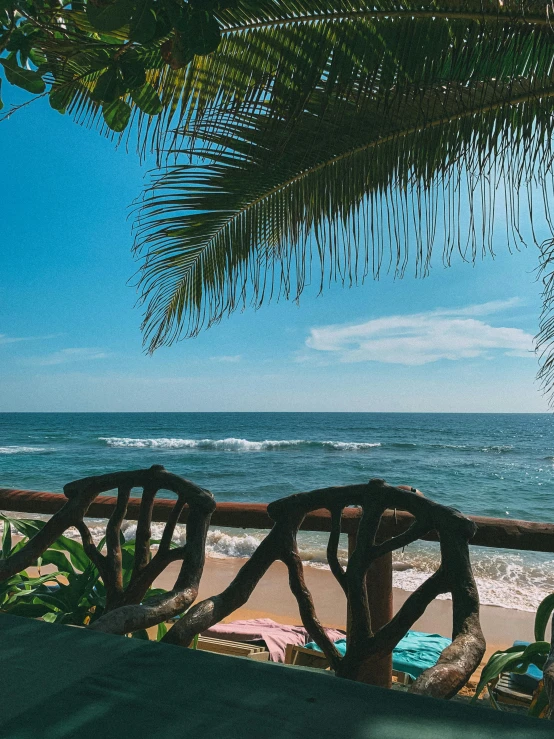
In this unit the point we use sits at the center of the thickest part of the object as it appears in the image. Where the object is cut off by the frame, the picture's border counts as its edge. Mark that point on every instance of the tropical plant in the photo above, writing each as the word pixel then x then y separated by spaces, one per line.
pixel 335 140
pixel 518 659
pixel 326 139
pixel 95 56
pixel 73 594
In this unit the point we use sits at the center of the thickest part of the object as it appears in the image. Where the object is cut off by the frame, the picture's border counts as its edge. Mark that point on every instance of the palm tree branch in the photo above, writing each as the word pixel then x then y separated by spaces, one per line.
pixel 204 247
pixel 427 125
pixel 496 16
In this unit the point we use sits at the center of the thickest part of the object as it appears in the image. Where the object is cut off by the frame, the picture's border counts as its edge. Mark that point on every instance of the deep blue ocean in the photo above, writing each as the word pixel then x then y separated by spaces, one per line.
pixel 488 464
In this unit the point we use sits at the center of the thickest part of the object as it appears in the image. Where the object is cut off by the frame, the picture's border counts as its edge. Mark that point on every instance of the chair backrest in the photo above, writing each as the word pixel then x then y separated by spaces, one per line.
pixel 457 662
pixel 124 611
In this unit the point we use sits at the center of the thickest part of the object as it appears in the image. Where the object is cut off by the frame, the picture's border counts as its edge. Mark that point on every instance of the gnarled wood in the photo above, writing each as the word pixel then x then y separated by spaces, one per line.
pixel 124 610
pixel 457 662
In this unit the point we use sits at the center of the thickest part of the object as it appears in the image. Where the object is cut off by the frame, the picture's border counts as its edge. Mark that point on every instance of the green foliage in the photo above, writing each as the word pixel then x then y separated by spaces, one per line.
pixel 518 659
pixel 91 54
pixel 332 141
pixel 27 79
pixel 320 138
pixel 73 594
pixel 544 613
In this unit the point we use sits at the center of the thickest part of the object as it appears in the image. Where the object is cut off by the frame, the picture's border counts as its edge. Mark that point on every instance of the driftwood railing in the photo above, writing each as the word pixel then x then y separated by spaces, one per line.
pixel 490 532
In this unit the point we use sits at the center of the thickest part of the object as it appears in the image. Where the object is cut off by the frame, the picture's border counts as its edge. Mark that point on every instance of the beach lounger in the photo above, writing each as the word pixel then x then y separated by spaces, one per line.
pixel 517 689
pixel 509 693
pixel 267 633
pixel 232 648
pixel 307 657
pixel 414 653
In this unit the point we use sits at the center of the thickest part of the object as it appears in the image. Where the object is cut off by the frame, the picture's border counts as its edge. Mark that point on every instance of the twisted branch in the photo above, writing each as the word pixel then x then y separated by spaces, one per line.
pixel 457 662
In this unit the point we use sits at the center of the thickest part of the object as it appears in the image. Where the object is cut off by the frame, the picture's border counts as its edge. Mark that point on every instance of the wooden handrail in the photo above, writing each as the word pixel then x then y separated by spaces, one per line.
pixel 500 533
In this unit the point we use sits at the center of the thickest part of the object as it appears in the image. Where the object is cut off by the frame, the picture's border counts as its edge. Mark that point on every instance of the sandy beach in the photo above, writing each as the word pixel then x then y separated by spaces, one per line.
pixel 272 599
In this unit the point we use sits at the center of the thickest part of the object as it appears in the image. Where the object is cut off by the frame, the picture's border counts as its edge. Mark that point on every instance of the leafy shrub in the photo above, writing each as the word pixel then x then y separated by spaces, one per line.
pixel 518 659
pixel 74 593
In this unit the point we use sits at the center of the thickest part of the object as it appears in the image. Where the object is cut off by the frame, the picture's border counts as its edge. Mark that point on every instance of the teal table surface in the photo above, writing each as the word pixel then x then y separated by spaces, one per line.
pixel 58 682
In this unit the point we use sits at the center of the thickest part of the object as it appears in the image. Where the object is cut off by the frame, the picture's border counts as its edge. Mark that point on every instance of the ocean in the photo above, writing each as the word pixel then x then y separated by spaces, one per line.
pixel 485 464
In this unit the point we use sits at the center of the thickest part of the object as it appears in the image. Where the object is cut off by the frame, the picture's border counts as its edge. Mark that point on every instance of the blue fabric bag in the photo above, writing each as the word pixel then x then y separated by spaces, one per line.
pixel 413 654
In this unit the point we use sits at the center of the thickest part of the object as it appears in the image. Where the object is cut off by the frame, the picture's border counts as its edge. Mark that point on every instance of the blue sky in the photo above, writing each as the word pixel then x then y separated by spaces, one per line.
pixel 459 340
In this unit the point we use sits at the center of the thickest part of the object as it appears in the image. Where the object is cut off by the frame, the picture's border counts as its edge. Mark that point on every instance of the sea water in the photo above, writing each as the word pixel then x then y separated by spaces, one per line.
pixel 484 464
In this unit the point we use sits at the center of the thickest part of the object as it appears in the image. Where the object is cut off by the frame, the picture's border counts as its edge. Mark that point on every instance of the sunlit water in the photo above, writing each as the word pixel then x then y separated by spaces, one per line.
pixel 492 465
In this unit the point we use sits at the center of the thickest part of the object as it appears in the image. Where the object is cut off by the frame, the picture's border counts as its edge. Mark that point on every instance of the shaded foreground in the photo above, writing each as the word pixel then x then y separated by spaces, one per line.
pixel 82 683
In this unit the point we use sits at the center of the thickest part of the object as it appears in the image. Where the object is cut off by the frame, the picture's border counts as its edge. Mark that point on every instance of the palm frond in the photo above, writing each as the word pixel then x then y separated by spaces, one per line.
pixel 345 197
pixel 545 337
pixel 352 51
pixel 276 54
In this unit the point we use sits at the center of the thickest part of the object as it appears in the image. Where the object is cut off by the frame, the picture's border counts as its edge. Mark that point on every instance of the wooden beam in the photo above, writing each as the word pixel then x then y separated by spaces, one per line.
pixel 501 533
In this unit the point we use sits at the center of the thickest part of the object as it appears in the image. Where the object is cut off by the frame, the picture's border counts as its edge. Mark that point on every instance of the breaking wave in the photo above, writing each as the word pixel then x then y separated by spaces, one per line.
pixel 22 450
pixel 234 445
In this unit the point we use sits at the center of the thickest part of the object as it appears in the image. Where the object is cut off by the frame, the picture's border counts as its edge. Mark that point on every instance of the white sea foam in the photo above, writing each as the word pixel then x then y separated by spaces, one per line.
pixel 504 578
pixel 232 444
pixel 22 450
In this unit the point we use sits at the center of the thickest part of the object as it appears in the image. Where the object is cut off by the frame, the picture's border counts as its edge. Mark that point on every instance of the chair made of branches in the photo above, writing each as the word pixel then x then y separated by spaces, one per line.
pixel 457 662
pixel 124 611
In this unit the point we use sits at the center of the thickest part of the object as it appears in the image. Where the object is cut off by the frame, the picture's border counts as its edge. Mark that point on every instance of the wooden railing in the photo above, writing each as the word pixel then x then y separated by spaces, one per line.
pixel 491 532
pixel 500 533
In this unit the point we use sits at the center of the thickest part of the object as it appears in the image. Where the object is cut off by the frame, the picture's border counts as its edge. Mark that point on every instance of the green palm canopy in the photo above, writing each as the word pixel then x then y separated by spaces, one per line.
pixel 323 140
pixel 334 140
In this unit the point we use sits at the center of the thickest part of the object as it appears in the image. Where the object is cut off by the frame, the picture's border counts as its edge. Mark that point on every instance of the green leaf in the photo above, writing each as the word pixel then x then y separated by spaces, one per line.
pixel 162 631
pixel 141 634
pixel 6 540
pixel 61 97
pixel 544 612
pixel 110 17
pixel 202 32
pixel 95 60
pixel 133 73
pixel 50 617
pixel 30 81
pixel 147 100
pixel 26 526
pixel 1 102
pixel 76 552
pixel 28 610
pixel 163 26
pixel 107 88
pixel 59 559
pixel 117 115
pixel 37 57
pixel 143 23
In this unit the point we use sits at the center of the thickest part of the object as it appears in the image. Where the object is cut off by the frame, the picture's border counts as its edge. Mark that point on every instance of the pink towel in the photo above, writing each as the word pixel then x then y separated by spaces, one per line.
pixel 275 635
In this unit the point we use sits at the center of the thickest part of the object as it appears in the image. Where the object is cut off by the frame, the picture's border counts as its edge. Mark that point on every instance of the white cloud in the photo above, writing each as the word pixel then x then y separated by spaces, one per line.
pixel 480 309
pixel 227 358
pixel 421 338
pixel 66 356
pixel 5 339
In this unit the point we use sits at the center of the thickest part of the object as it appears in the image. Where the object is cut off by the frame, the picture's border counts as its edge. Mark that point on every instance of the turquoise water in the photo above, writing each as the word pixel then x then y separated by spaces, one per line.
pixel 488 464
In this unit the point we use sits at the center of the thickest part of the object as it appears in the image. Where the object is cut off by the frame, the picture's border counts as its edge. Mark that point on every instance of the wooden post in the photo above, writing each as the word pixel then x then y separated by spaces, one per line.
pixel 379 595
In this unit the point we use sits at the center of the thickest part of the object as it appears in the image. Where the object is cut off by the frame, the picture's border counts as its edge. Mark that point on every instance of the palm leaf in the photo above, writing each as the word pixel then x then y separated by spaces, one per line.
pixel 345 196
pixel 276 54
